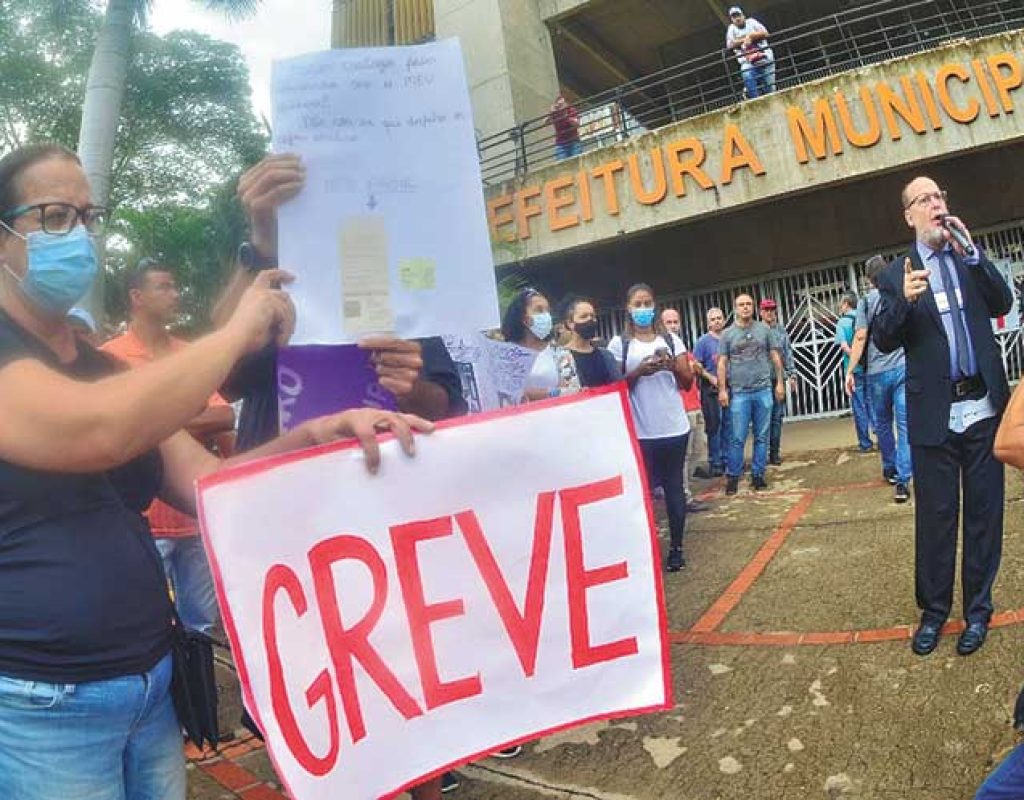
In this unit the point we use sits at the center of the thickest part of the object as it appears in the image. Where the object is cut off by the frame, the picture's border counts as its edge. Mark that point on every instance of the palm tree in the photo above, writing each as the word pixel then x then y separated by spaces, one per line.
pixel 104 95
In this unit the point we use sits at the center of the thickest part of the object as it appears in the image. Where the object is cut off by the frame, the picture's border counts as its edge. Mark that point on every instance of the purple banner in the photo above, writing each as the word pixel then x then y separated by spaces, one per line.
pixel 316 380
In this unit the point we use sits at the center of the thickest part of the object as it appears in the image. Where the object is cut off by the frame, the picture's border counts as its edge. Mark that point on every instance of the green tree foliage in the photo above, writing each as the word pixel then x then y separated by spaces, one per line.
pixel 186 133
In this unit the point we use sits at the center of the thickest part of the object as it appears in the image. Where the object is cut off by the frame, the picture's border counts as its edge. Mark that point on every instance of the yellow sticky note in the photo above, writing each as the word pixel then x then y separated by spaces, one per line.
pixel 417 273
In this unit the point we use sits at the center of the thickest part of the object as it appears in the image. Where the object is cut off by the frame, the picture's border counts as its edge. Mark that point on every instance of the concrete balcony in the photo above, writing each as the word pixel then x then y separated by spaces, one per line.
pixel 958 97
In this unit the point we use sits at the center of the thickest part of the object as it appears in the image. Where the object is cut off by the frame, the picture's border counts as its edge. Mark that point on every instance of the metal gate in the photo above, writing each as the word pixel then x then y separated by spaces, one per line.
pixel 808 301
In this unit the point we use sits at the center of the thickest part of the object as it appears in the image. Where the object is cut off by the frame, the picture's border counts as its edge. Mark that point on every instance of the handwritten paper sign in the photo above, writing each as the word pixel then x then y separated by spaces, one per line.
pixel 389 234
pixel 314 381
pixel 493 373
pixel 480 594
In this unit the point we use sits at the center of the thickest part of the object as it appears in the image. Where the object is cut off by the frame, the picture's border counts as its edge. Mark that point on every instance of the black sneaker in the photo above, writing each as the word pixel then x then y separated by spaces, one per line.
pixel 890 476
pixel 717 472
pixel 901 495
pixel 703 473
pixel 775 461
pixel 732 484
pixel 449 782
pixel 675 560
pixel 759 483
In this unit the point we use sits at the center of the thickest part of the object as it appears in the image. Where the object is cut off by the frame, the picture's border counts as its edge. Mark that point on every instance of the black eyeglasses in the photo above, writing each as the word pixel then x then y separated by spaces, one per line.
pixel 60 219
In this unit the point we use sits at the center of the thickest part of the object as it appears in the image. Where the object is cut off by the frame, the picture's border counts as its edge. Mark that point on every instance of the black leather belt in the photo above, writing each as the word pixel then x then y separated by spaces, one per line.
pixel 968 388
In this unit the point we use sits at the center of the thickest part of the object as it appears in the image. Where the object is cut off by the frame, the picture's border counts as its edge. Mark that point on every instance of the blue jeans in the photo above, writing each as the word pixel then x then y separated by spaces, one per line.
pixel 716 425
pixel 863 417
pixel 775 430
pixel 117 739
pixel 568 149
pixel 1007 782
pixel 759 80
pixel 746 409
pixel 188 571
pixel 889 401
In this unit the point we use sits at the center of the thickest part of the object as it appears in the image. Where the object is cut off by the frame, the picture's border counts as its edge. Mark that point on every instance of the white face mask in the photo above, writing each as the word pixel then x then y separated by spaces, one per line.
pixel 540 324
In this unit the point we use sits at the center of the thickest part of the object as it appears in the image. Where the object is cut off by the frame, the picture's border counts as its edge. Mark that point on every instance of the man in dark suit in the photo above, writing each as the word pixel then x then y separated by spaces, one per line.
pixel 937 303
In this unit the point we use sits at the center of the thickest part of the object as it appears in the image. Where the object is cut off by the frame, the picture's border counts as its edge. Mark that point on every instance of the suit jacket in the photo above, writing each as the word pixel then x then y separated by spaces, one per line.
pixel 917 327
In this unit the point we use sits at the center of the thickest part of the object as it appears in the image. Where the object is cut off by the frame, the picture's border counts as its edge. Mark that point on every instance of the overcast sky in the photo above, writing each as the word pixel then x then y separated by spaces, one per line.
pixel 279 29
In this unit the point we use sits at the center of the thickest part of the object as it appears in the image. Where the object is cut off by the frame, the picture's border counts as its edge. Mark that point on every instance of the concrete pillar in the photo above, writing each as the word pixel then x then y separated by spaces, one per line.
pixel 510 63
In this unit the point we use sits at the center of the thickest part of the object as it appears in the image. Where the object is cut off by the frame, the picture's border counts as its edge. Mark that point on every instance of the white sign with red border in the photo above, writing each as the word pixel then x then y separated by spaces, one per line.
pixel 502 585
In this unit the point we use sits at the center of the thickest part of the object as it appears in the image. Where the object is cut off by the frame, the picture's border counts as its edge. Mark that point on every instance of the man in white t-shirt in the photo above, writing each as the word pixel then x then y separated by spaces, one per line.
pixel 748 39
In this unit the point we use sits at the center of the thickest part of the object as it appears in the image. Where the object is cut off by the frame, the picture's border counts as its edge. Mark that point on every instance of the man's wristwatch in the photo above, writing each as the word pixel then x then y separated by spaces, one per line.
pixel 252 261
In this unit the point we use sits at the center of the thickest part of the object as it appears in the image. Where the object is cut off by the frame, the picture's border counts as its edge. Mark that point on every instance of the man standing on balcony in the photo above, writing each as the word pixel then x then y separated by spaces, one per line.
pixel 937 304
pixel 748 39
pixel 770 317
pixel 565 119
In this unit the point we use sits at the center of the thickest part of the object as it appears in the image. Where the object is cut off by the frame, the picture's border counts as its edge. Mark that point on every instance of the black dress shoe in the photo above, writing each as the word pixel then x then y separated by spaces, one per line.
pixel 972 638
pixel 926 638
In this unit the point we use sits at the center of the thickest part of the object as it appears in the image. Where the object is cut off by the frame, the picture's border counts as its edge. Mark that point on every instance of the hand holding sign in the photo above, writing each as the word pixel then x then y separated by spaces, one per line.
pixel 262 190
pixel 264 313
pixel 398 362
pixel 364 424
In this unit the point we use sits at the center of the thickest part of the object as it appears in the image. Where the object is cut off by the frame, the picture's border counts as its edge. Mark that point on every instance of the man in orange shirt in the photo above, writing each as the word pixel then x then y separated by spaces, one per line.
pixel 153 299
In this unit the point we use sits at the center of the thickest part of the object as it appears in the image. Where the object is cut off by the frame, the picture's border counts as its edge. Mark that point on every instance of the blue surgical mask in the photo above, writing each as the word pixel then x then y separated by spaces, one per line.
pixel 643 317
pixel 540 325
pixel 61 268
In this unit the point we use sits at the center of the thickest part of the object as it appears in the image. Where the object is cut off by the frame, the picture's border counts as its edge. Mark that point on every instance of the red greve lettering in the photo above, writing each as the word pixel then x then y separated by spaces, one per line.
pixel 422 615
pixel 282 577
pixel 347 645
pixel 523 628
pixel 350 644
pixel 579 578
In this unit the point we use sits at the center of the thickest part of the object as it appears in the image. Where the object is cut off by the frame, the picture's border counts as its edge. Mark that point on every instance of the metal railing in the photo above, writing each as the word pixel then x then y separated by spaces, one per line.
pixel 866 35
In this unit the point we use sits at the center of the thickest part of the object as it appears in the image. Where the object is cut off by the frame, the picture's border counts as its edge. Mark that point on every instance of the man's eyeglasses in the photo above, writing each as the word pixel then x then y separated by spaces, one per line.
pixel 60 218
pixel 927 198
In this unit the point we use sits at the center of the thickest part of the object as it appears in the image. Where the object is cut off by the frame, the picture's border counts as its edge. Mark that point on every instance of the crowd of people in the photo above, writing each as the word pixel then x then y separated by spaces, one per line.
pixel 103 441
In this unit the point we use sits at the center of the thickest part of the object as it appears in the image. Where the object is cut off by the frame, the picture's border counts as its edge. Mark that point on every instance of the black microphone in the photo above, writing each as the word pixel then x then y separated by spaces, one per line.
pixel 958 236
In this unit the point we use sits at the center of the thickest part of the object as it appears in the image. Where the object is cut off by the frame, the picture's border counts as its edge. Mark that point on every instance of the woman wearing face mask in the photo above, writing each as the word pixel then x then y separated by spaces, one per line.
pixel 581 364
pixel 527 322
pixel 85 617
pixel 656 367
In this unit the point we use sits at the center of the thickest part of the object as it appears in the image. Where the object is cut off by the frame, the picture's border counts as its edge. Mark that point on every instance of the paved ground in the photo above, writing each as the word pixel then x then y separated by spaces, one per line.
pixel 793 674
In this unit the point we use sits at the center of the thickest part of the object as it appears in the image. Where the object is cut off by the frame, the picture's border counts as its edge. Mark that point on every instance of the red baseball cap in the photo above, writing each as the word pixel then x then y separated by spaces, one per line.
pixel 768 304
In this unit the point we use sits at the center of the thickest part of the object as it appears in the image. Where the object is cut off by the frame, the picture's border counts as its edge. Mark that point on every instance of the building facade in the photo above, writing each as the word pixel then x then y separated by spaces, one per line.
pixel 686 185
